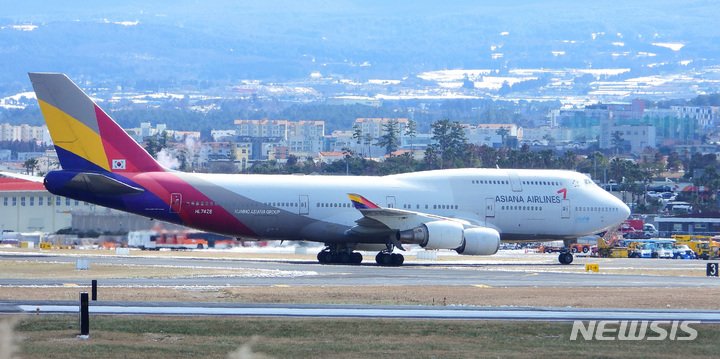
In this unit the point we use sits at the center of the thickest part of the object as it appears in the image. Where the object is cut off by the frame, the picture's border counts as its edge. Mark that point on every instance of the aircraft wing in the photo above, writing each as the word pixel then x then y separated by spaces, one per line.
pixel 22 176
pixel 429 231
pixel 378 219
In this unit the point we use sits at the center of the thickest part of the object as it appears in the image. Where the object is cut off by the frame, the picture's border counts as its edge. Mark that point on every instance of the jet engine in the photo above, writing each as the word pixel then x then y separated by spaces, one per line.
pixel 480 241
pixel 434 235
pixel 451 235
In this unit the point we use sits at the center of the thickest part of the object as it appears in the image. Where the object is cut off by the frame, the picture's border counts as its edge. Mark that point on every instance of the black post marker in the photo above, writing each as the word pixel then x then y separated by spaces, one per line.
pixel 84 314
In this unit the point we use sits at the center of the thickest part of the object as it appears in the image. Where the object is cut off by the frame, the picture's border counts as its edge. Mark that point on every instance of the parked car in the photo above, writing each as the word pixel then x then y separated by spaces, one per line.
pixel 682 251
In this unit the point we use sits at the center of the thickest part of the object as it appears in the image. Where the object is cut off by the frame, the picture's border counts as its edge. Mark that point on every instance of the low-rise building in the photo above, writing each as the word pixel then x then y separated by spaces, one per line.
pixel 26 206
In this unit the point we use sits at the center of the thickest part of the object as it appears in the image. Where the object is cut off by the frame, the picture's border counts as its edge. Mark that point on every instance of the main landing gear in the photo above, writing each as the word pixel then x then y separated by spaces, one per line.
pixel 334 254
pixel 388 259
pixel 331 255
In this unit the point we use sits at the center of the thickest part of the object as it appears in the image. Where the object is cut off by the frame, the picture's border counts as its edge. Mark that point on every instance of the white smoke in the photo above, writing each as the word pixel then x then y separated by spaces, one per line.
pixel 168 159
pixel 190 146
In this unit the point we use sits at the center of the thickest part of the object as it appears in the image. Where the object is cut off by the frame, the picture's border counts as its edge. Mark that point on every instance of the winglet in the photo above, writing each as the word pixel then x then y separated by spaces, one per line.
pixel 361 202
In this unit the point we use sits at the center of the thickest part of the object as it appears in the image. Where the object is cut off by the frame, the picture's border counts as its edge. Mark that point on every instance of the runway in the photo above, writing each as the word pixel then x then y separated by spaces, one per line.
pixel 358 311
pixel 537 271
pixel 505 270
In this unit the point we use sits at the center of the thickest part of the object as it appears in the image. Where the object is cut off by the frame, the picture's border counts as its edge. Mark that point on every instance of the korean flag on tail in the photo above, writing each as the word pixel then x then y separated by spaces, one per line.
pixel 118 164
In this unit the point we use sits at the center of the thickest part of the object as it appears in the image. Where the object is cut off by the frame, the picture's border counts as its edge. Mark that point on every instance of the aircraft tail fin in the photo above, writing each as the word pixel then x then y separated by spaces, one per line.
pixel 85 137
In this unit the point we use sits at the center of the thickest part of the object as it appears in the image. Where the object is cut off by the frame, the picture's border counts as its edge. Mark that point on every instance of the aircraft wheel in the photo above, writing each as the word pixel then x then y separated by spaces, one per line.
pixel 343 258
pixel 565 258
pixel 321 257
pixel 356 258
pixel 383 259
pixel 397 259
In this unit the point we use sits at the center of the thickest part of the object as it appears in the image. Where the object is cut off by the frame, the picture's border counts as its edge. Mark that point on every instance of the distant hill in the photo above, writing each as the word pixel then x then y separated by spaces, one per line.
pixel 284 40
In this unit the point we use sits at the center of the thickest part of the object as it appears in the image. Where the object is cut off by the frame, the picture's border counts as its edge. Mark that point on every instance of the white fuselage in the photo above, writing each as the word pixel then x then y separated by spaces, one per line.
pixel 522 205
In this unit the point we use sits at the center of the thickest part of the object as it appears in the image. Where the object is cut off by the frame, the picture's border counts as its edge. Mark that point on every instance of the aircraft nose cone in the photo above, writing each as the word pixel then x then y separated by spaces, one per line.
pixel 625 210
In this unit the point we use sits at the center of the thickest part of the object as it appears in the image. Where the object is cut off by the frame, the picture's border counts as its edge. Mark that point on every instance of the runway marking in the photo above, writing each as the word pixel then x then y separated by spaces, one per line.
pixel 465 313
pixel 481 286
pixel 281 286
pixel 70 284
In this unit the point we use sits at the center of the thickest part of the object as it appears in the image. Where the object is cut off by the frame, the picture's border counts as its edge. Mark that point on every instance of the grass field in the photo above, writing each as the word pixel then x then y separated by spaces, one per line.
pixel 40 336
pixel 51 336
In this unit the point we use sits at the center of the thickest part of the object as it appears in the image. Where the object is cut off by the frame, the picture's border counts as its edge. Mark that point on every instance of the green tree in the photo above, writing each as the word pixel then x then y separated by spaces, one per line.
pixel 155 144
pixel 488 156
pixel 431 159
pixel 448 141
pixel 357 134
pixel 596 164
pixel 30 165
pixel 673 162
pixel 618 142
pixel 389 138
pixel 367 138
pixel 412 132
pixel 152 146
pixel 546 158
pixel 710 179
pixel 502 132
pixel 568 161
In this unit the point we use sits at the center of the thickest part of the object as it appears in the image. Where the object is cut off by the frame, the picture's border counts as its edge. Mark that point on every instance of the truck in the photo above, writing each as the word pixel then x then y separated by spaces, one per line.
pixel 639 249
pixel 636 228
pixel 176 240
pixel 663 248
pixel 581 248
pixel 703 246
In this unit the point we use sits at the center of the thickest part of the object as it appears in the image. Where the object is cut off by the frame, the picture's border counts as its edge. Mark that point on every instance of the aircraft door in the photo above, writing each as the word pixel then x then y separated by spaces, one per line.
pixel 304 205
pixel 565 204
pixel 175 202
pixel 390 201
pixel 489 207
pixel 515 182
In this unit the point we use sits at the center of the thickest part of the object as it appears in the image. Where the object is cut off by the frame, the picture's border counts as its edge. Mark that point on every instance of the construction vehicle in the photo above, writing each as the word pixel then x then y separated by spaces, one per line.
pixel 703 246
pixel 611 245
pixel 581 248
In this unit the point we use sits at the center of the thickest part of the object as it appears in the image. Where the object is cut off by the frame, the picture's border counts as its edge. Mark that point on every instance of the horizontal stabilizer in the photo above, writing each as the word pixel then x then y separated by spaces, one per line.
pixel 100 184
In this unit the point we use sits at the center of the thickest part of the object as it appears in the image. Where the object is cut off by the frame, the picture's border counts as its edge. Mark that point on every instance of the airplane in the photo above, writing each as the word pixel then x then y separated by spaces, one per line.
pixel 467 210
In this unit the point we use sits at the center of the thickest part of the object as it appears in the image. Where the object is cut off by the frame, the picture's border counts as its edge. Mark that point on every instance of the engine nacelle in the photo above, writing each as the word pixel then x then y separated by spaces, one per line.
pixel 480 241
pixel 434 235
